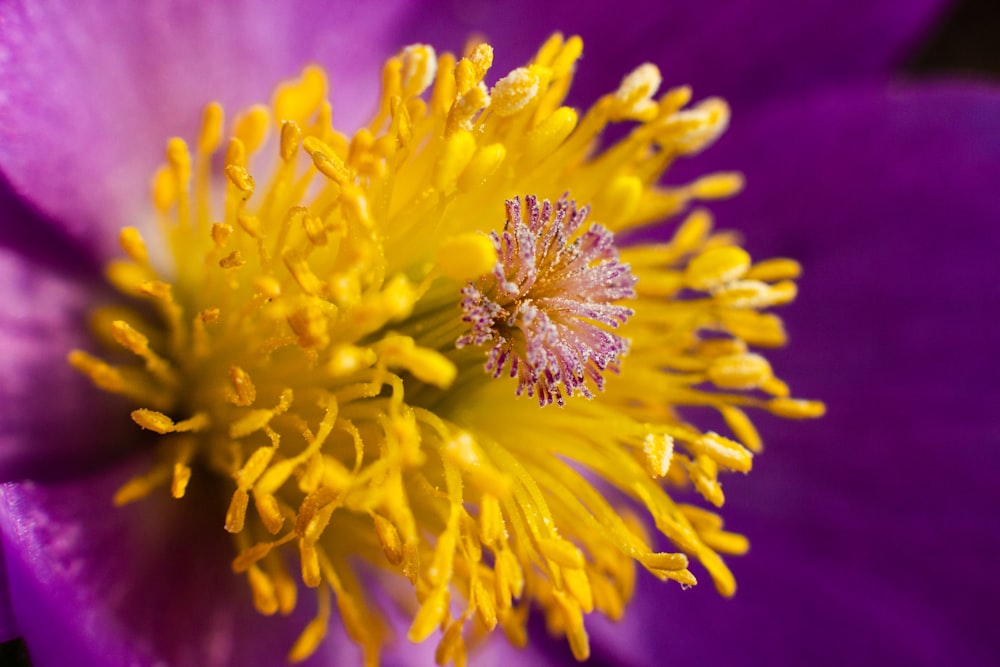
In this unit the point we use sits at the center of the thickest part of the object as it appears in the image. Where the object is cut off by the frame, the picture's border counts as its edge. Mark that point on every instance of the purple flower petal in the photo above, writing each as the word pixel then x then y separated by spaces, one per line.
pixel 743 50
pixel 172 600
pixel 92 91
pixel 8 624
pixel 52 422
pixel 870 529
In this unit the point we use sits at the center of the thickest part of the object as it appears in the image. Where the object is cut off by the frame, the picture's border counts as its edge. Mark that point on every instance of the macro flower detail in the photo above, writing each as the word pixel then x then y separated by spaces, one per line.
pixel 301 339
pixel 546 300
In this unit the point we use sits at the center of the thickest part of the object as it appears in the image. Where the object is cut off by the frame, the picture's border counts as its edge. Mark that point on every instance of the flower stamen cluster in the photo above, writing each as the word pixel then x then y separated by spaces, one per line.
pixel 300 349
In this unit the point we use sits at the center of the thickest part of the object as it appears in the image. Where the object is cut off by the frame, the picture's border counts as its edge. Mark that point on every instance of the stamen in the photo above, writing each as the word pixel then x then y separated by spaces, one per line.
pixel 315 341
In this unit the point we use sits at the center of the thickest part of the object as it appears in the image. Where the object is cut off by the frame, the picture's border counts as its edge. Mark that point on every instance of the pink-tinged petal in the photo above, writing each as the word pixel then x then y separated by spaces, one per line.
pixel 147 584
pixel 872 529
pixel 8 623
pixel 52 421
pixel 743 50
pixel 92 90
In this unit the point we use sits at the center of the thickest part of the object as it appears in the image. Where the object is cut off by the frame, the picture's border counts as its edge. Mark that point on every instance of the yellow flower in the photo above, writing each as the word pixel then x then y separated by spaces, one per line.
pixel 340 330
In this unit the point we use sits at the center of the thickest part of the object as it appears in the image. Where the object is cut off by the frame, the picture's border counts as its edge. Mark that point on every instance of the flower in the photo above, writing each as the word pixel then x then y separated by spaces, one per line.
pixel 30 513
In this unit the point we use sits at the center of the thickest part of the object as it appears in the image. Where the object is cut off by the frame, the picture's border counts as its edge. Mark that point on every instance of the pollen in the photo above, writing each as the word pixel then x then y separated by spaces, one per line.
pixel 549 305
pixel 337 330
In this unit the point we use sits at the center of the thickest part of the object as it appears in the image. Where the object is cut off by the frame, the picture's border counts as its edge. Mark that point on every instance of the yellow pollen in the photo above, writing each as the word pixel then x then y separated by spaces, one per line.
pixel 299 349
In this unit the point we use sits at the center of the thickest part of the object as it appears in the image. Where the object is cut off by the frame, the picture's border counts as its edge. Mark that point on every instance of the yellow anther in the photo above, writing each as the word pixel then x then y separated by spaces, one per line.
pixel 152 420
pixel 791 408
pixel 241 178
pixel 775 387
pixel 267 286
pixel 742 427
pixel 244 392
pixel 233 260
pixel 564 63
pixel 739 371
pixel 693 231
pixel 674 100
pixel 427 365
pixel 164 189
pixel 716 267
pixel 181 477
pixel 547 135
pixel 298 100
pixel 703 473
pixel 347 359
pixel 491 525
pixel 579 644
pixel 727 543
pixel 483 165
pixel 451 649
pixel 251 127
pixel 126 276
pixel 658 450
pixel 129 338
pixel 549 49
pixel 298 266
pixel 133 245
pixel 578 586
pixel 221 233
pixel 141 486
pixel 467 256
pixel 459 148
pixel 332 167
pixel 315 632
pixel 388 537
pixel 466 76
pixel 633 99
pixel 484 601
pixel 617 204
pixel 264 598
pixel 724 451
pixel 291 139
pixel 136 343
pixel 665 561
pixel 562 552
pixel 514 91
pixel 717 186
pixel 236 153
pixel 419 65
pixel 775 269
pixel 101 374
pixel 179 159
pixel 431 616
pixel 311 326
pixel 210 136
pixel 315 230
pixel 466 108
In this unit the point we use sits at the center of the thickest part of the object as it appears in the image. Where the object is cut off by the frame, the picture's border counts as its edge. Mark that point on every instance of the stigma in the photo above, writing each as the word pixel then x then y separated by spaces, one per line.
pixel 308 328
pixel 549 304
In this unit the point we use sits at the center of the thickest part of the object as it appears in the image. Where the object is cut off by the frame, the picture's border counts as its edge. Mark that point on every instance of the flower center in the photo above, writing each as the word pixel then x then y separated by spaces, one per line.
pixel 317 345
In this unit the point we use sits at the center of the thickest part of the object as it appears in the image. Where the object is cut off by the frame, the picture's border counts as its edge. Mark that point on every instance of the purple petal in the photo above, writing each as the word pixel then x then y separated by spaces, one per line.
pixel 147 584
pixel 870 527
pixel 743 50
pixel 8 624
pixel 52 420
pixel 92 91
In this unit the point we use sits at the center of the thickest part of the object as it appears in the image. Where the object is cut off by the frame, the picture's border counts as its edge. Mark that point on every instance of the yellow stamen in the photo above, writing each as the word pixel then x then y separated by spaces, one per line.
pixel 304 354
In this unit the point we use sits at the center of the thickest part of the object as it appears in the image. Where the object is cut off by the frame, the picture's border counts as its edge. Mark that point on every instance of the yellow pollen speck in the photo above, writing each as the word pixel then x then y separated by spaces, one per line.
pixel 308 351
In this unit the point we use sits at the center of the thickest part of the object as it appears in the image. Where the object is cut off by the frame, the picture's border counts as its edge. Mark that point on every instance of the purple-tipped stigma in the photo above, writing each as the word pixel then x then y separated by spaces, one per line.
pixel 548 306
